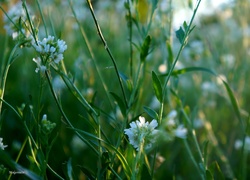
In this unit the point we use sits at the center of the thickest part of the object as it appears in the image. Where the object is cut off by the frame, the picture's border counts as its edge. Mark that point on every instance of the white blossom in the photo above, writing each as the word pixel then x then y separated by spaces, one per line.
pixel 40 67
pixel 16 23
pixel 142 132
pixel 180 132
pixel 51 49
pixel 239 143
pixel 1 144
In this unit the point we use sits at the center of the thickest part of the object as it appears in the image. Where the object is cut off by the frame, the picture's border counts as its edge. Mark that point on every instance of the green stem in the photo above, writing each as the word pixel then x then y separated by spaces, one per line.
pixel 41 13
pixel 5 72
pixel 193 159
pixel 108 50
pixel 83 33
pixel 130 24
pixel 63 114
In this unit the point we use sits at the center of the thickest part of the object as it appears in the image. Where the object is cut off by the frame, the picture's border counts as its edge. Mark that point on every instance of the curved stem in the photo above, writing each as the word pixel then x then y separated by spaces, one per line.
pixel 108 50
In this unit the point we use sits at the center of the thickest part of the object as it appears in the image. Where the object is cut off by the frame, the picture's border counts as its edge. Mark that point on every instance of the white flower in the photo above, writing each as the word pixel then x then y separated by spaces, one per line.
pixel 142 132
pixel 171 118
pixel 51 49
pixel 18 24
pixel 1 144
pixel 180 132
pixel 238 144
pixel 40 67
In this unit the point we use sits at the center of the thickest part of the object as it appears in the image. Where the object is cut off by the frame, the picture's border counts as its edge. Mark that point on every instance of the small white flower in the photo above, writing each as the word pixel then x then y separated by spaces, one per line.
pixel 181 132
pixel 172 114
pixel 44 117
pixel 142 132
pixel 238 144
pixel 1 144
pixel 51 49
pixel 40 67
pixel 18 25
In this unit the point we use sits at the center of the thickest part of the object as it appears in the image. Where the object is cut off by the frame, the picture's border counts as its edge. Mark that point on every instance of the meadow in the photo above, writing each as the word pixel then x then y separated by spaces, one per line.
pixel 124 89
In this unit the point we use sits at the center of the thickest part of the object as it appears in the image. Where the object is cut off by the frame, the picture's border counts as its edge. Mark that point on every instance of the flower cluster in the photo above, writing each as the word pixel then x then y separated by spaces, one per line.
pixel 16 23
pixel 51 50
pixel 1 144
pixel 142 132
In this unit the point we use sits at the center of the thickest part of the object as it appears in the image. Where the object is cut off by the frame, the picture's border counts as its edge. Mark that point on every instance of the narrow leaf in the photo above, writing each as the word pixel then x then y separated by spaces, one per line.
pixel 145 48
pixel 189 69
pixel 150 112
pixel 157 86
pixel 120 103
pixel 234 102
pixel 180 34
pixel 170 52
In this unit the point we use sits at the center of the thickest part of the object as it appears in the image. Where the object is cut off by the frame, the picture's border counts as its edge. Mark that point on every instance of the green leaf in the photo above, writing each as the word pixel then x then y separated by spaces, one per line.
pixel 205 146
pixel 112 149
pixel 145 48
pixel 234 102
pixel 185 26
pixel 157 86
pixel 209 175
pixel 180 34
pixel 151 112
pixel 170 52
pixel 87 172
pixel 14 167
pixel 190 69
pixel 120 103
pixel 127 81
pixel 145 173
pixel 215 171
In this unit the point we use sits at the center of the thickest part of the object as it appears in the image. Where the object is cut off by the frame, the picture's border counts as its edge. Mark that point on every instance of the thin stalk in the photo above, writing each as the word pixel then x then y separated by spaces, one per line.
pixel 83 33
pixel 136 82
pixel 183 44
pixel 5 73
pixel 130 38
pixel 19 154
pixel 41 13
pixel 29 19
pixel 63 114
pixel 108 50
pixel 57 175
pixel 194 137
pixel 193 159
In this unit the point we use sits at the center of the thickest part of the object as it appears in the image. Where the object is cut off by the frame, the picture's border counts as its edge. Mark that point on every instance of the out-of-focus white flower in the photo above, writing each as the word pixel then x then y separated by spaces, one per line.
pixel 58 84
pixel 180 132
pixel 228 60
pixel 1 144
pixel 172 127
pixel 155 104
pixel 40 67
pixel 238 144
pixel 220 78
pixel 77 144
pixel 172 114
pixel 142 132
pixel 51 49
pixel 18 25
pixel 162 68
